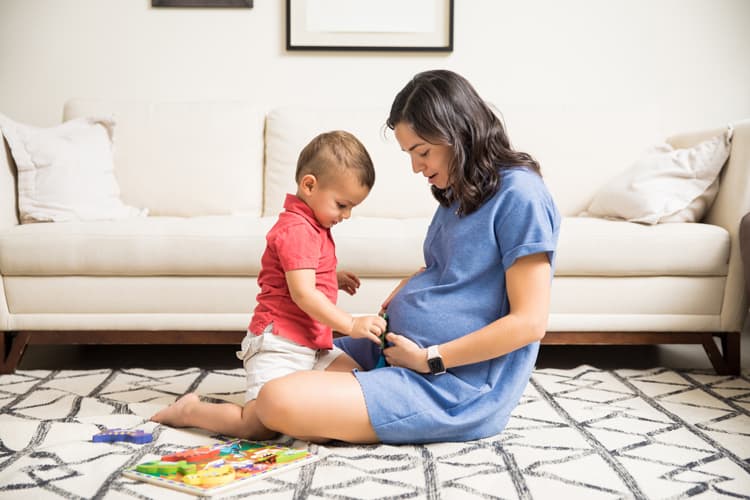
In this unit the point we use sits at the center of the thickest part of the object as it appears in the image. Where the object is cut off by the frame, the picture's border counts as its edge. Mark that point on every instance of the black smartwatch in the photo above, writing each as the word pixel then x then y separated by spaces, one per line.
pixel 435 361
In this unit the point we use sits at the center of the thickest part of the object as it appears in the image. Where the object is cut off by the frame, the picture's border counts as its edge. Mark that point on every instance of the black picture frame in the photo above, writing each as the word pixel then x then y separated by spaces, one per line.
pixel 300 38
pixel 203 3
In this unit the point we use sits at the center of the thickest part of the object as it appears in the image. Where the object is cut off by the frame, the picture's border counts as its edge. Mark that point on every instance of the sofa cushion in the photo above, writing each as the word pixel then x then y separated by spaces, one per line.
pixel 66 172
pixel 197 246
pixel 185 159
pixel 370 247
pixel 149 246
pixel 381 247
pixel 598 247
pixel 666 185
pixel 398 192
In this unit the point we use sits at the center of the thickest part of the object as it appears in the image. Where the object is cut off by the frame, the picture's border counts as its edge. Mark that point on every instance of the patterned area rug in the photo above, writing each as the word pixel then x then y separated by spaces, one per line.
pixel 581 433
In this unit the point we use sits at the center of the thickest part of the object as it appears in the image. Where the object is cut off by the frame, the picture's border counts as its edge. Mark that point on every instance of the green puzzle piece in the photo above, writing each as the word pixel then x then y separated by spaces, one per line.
pixel 159 468
pixel 290 456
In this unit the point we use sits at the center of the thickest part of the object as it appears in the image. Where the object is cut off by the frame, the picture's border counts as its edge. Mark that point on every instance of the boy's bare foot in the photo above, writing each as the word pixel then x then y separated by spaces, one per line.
pixel 177 414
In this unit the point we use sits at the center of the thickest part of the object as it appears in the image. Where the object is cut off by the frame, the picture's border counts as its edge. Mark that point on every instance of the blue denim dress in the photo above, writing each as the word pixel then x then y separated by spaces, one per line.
pixel 461 290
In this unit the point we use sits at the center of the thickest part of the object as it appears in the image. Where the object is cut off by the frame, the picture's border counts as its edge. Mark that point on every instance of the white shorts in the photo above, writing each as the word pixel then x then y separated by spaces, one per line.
pixel 268 356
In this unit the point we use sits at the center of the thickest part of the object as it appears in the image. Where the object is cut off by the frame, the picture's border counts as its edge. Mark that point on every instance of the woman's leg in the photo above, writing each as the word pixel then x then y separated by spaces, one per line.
pixel 318 406
pixel 343 363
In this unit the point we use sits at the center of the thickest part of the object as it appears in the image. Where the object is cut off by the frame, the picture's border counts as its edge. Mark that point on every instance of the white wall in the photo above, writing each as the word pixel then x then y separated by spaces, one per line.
pixel 578 81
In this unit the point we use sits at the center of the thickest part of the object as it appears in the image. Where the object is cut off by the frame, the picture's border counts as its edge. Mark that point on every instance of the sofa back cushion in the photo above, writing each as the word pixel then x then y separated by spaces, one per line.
pixel 184 158
pixel 398 192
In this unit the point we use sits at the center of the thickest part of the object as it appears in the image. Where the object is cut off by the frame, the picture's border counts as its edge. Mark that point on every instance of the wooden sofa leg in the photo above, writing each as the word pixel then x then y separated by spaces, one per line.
pixel 726 362
pixel 12 345
pixel 730 347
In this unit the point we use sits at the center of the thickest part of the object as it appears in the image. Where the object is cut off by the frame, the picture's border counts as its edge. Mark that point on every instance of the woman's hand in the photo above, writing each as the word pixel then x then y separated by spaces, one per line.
pixel 405 353
pixel 348 282
pixel 398 288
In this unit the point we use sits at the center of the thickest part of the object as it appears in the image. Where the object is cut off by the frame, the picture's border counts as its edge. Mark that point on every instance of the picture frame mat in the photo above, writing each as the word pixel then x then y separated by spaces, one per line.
pixel 429 28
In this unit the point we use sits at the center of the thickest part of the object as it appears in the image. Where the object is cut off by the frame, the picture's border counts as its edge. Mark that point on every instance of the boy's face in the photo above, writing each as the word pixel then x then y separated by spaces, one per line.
pixel 332 199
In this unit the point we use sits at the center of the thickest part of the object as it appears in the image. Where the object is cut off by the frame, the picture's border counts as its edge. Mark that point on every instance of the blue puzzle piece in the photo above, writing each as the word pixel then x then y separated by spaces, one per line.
pixel 114 435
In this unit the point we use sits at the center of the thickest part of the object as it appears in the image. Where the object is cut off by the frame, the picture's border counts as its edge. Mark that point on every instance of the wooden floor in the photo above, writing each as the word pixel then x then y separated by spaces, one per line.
pixel 85 357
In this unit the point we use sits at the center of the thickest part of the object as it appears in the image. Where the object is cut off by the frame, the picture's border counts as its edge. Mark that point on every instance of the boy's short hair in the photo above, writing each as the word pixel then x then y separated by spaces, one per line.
pixel 332 152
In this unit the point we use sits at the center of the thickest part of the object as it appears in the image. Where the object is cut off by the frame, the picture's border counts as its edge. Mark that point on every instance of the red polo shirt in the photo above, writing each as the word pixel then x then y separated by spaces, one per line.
pixel 296 241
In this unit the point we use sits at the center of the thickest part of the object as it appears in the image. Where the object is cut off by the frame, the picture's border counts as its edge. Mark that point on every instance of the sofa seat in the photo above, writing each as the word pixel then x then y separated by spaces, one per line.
pixel 676 272
pixel 598 247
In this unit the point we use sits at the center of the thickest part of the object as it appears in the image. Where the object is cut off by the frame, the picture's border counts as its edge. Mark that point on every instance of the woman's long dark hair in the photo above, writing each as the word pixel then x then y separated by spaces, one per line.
pixel 442 107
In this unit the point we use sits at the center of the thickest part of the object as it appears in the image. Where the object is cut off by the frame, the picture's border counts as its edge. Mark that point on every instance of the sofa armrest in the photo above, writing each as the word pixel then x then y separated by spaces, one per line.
pixel 730 206
pixel 745 249
pixel 8 176
pixel 8 218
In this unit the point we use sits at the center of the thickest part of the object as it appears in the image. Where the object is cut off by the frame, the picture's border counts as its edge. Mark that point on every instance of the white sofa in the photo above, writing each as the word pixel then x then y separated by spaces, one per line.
pixel 213 176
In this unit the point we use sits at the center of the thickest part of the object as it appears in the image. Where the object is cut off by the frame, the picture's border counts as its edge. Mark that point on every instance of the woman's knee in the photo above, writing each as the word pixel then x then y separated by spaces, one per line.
pixel 274 403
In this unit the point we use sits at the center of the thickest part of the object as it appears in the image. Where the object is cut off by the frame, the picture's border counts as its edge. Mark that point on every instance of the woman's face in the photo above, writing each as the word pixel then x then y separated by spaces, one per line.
pixel 431 160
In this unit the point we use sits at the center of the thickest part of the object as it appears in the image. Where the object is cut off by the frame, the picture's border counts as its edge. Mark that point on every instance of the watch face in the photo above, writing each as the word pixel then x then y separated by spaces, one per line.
pixel 436 365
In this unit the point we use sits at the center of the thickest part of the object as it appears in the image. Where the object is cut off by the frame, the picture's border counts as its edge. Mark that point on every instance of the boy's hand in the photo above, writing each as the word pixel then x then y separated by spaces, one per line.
pixel 348 282
pixel 367 327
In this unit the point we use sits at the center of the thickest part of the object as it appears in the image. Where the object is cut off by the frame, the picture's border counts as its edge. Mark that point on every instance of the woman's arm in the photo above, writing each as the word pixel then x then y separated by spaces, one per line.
pixel 314 303
pixel 528 284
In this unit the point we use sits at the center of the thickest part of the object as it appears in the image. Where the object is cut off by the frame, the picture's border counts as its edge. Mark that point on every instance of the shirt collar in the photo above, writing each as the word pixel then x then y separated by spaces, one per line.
pixel 292 203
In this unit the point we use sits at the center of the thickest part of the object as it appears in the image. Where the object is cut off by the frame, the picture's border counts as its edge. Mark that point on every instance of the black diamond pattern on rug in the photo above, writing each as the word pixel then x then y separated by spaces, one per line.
pixel 580 433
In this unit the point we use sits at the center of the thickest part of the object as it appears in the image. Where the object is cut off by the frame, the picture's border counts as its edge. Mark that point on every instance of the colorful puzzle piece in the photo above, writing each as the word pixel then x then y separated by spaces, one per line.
pixel 114 435
pixel 211 476
pixel 202 454
pixel 238 447
pixel 290 456
pixel 263 455
pixel 159 467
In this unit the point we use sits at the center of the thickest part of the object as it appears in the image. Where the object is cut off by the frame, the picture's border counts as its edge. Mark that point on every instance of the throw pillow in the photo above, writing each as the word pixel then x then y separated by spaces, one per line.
pixel 66 172
pixel 665 185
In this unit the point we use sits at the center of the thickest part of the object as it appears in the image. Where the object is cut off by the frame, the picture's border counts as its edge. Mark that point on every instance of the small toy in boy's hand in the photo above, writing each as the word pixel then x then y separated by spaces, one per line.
pixel 114 435
pixel 381 359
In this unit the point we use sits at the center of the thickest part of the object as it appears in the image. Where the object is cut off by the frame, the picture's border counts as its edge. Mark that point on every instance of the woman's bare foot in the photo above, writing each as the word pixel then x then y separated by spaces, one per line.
pixel 178 413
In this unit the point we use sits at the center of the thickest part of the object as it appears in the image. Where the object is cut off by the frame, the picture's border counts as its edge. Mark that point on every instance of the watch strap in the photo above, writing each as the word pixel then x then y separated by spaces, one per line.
pixel 433 352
